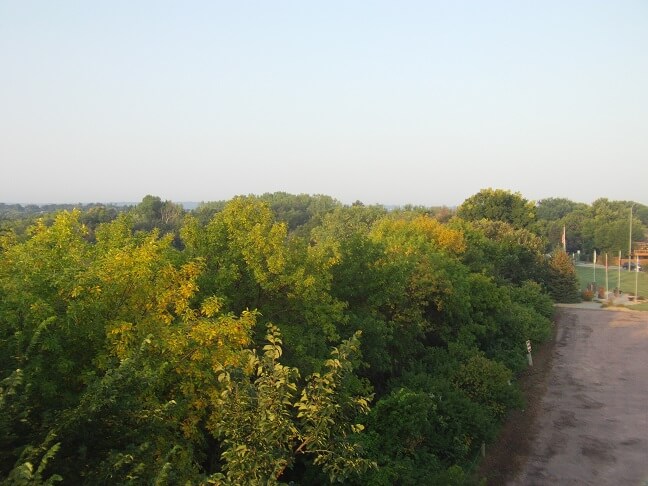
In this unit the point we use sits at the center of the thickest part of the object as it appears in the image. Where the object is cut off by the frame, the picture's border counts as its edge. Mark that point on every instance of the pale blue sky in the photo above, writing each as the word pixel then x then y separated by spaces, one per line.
pixel 388 102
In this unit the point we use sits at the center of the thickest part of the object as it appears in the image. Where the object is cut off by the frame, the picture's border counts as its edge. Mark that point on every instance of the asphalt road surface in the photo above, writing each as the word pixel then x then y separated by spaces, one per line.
pixel 592 427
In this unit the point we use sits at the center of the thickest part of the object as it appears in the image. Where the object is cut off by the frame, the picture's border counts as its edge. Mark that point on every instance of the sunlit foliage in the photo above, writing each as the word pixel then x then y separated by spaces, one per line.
pixel 264 340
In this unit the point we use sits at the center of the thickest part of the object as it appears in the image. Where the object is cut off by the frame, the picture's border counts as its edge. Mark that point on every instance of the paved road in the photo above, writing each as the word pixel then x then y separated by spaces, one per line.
pixel 593 427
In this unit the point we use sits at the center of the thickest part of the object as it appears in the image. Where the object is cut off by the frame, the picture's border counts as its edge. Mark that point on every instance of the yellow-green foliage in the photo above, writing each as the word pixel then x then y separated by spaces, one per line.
pixel 134 355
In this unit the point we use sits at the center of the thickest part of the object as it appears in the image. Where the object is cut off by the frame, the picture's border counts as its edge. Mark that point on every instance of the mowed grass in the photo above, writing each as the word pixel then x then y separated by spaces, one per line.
pixel 586 276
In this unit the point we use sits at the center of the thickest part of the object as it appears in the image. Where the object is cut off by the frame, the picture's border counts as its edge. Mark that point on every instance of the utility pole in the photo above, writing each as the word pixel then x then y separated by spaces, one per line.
pixel 607 288
pixel 630 240
pixel 619 279
pixel 637 281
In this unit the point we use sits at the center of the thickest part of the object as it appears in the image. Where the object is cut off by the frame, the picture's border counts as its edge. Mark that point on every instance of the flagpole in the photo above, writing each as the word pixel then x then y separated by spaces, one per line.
pixel 619 280
pixel 606 277
pixel 636 280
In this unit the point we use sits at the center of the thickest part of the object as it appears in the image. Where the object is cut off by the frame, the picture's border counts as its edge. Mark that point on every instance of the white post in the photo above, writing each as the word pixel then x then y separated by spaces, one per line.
pixel 619 279
pixel 630 239
pixel 607 288
pixel 637 279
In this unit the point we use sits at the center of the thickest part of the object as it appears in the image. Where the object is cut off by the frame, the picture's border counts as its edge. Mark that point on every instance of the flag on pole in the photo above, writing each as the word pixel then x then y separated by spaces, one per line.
pixel 564 240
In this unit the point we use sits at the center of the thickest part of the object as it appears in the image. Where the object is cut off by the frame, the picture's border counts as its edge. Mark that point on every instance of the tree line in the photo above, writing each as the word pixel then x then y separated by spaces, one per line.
pixel 603 226
pixel 270 339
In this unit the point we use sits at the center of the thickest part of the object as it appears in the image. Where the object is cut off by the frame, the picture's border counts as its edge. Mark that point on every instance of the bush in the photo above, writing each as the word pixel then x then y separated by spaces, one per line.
pixel 530 293
pixel 427 436
pixel 486 382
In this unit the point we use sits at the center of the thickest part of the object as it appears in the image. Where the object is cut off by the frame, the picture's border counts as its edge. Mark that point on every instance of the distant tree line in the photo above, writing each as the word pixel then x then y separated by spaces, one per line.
pixel 603 226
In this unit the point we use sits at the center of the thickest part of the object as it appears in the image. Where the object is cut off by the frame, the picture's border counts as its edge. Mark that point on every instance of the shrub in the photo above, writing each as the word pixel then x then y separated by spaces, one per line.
pixel 562 282
pixel 487 382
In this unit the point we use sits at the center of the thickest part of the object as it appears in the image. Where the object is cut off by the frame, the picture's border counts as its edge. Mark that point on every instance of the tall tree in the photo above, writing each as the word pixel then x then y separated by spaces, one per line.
pixel 498 205
pixel 562 282
pixel 555 208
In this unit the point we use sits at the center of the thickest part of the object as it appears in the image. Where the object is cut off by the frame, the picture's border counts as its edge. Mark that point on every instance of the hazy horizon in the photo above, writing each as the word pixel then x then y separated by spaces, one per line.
pixel 387 103
pixel 192 204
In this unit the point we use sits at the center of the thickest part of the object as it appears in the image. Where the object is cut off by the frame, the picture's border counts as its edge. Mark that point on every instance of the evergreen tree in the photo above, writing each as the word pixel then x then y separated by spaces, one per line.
pixel 562 282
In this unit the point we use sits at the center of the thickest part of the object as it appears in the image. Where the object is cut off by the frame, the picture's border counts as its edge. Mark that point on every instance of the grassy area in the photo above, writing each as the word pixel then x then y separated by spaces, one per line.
pixel 586 275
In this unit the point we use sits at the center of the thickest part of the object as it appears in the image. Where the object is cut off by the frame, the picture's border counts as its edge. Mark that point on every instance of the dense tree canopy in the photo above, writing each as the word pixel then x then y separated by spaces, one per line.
pixel 555 208
pixel 266 339
pixel 498 205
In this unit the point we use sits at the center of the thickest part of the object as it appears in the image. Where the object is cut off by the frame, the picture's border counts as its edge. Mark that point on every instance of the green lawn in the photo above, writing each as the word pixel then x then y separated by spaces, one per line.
pixel 586 275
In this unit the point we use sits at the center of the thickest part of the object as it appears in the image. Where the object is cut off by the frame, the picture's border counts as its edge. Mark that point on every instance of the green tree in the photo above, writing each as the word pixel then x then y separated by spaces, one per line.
pixel 555 208
pixel 503 251
pixel 266 421
pixel 253 263
pixel 562 282
pixel 498 205
pixel 300 212
pixel 152 213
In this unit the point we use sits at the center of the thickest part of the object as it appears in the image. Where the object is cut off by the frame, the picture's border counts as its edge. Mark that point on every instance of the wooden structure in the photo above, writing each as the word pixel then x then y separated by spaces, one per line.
pixel 639 249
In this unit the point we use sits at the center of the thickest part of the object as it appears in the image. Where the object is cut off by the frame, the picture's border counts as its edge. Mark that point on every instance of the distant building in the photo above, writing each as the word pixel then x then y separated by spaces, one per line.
pixel 639 249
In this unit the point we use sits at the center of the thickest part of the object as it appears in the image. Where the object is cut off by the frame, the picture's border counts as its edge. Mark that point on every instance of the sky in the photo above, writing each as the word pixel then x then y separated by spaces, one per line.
pixel 390 102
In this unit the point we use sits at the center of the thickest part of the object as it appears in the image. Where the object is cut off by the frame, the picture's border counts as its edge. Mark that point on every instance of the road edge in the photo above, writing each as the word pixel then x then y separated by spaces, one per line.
pixel 507 455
